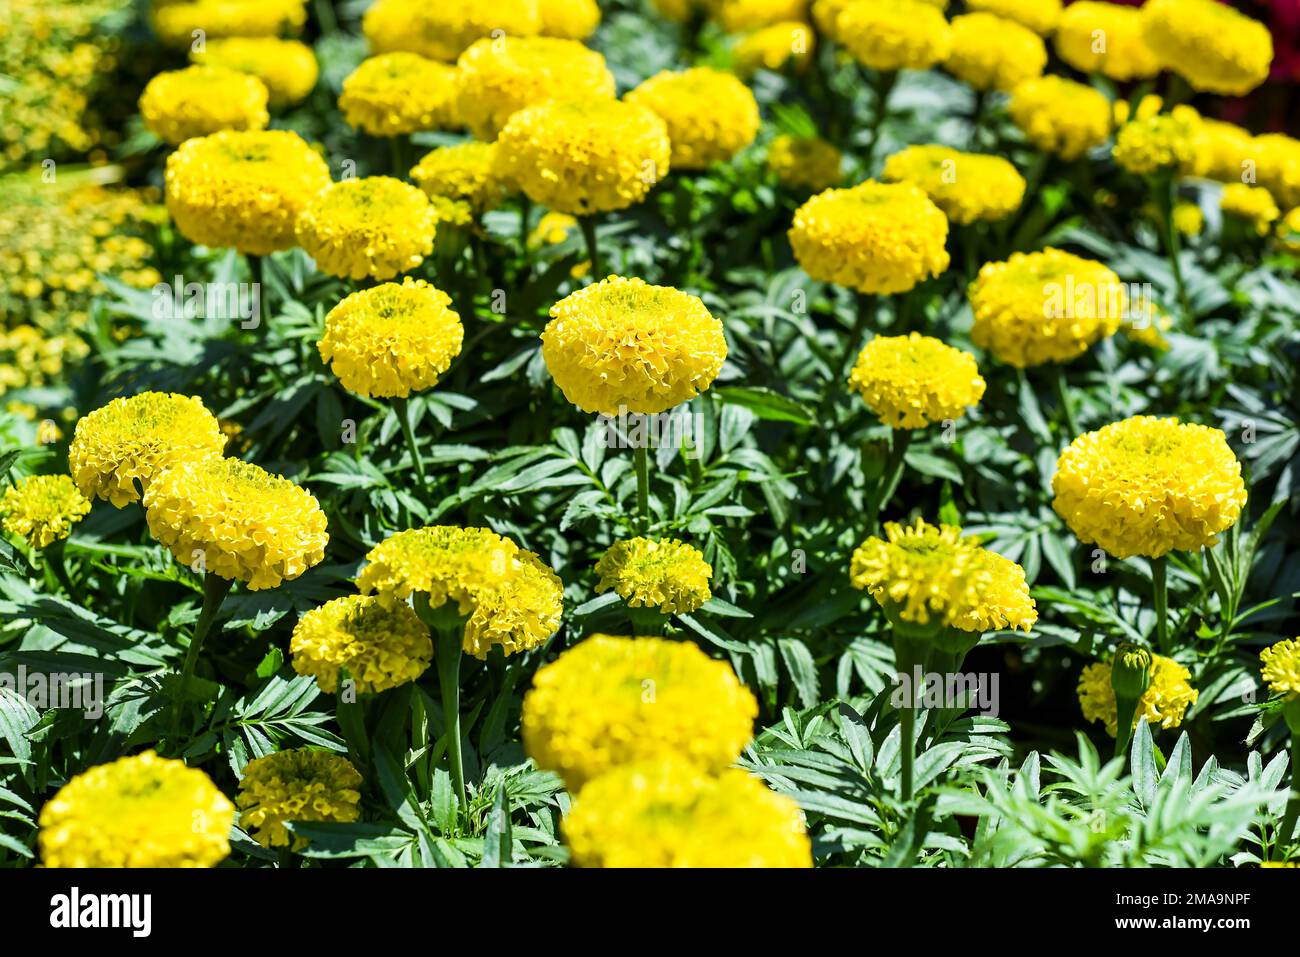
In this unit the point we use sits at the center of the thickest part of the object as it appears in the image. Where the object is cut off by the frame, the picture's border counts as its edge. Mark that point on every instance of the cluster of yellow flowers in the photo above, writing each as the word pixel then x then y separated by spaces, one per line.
pixel 296 785
pixel 288 68
pixel 927 574
pixel 669 575
pixel 374 226
pixel 1252 203
pixel 140 811
pixel 391 340
pixel 381 645
pixel 624 345
pixel 510 598
pixel 198 100
pixel 1165 141
pixel 176 22
pixel 913 381
pixel 1146 486
pixel 55 58
pixel 966 186
pixel 1048 306
pixel 1163 704
pixel 710 115
pixel 1281 668
pixel 874 237
pixel 41 509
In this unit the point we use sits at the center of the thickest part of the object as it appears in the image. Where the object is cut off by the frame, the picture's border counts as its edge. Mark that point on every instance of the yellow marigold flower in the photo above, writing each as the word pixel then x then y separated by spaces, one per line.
pixel 287 67
pixel 568 19
pixel 1278 167
pixel 611 701
pixel 1288 231
pixel 1105 38
pixel 991 53
pixel 623 344
pixel 1211 45
pixel 237 521
pixel 139 811
pixel 396 93
pixel 497 78
pixel 913 381
pixel 1163 704
pixel 243 190
pixel 1041 16
pixel 1161 142
pixel 665 813
pixel 774 48
pixel 741 16
pixel 296 785
pixel 551 230
pixel 1281 667
pixel 373 226
pixel 381 646
pixel 805 162
pixel 511 597
pixel 1250 202
pixel 966 186
pixel 583 158
pixel 1060 116
pixel 199 100
pixel 1188 219
pixel 1147 107
pixel 925 573
pixel 175 23
pixel 462 173
pixel 1224 152
pixel 1048 306
pixel 1146 486
pixel 669 575
pixel 442 30
pixel 875 237
pixel 711 115
pixel 134 438
pixel 391 340
pixel 41 509
pixel 890 35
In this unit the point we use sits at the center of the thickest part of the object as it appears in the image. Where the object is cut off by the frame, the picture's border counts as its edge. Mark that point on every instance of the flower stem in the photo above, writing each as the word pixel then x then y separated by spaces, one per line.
pixel 642 460
pixel 1063 399
pixel 525 215
pixel 588 224
pixel 1167 197
pixel 889 479
pixel 215 590
pixel 861 323
pixel 1161 594
pixel 908 654
pixel 257 270
pixel 403 409
pixel 882 86
pixel 448 653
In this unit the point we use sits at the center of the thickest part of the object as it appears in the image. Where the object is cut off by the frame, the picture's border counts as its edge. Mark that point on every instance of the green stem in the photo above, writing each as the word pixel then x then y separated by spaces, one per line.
pixel 861 323
pixel 1063 400
pixel 1161 593
pixel 907 729
pixel 397 151
pixel 588 224
pixel 1125 711
pixel 54 561
pixel 882 86
pixel 403 409
pixel 642 459
pixel 1167 198
pixel 525 217
pixel 448 653
pixel 257 270
pixel 908 653
pixel 889 479
pixel 215 590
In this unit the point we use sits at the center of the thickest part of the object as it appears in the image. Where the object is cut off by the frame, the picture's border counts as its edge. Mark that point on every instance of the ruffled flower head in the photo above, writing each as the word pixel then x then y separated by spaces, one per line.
pixel 1163 704
pixel 1281 667
pixel 711 115
pixel 568 19
pixel 623 344
pixel 668 814
pixel 132 439
pixel 913 381
pixel 1211 45
pixel 374 226
pixel 991 53
pixel 1165 141
pixel 611 701
pixel 41 509
pixel 176 22
pixel 875 237
pixel 199 100
pixel 890 35
pixel 1252 203
pixel 287 67
pixel 296 785
pixel 381 646
pixel 1105 38
pixel 464 173
pixel 243 191
pixel 442 30
pixel 968 187
pixel 1147 486
pixel 1060 116
pixel 397 93
pixel 927 574
pixel 669 575
pixel 776 47
pixel 1041 16
pixel 139 811
pixel 805 162
pixel 511 597
pixel 237 521
pixel 391 340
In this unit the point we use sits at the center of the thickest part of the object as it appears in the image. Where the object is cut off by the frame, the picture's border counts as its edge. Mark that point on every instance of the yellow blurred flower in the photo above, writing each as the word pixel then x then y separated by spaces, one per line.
pixel 611 701
pixel 668 574
pixel 1041 16
pixel 176 23
pixel 1105 38
pixel 1211 45
pixel 781 45
pixel 1278 159
pixel 298 784
pixel 1060 116
pixel 1166 141
pixel 396 93
pixel 381 646
pixel 1253 203
pixel 443 30
pixel 1281 667
pixel 805 162
pixel 568 19
pixel 890 35
pixel 41 509
pixel 966 186
pixel 624 345
pixel 1147 486
pixel 710 115
pixel 139 811
pixel 463 173
pixel 199 100
pixel 913 381
pixel 741 16
pixel 991 53
pixel 1163 704
pixel 875 237
pixel 1288 231
pixel 391 340
pixel 287 67
pixel 373 226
